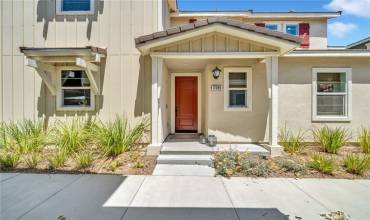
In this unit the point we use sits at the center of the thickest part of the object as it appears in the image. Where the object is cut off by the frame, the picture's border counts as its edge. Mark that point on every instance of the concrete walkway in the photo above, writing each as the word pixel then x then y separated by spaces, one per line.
pixel 40 196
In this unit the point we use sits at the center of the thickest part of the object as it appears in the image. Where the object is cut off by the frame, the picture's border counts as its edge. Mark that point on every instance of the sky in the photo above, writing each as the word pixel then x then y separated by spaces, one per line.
pixel 352 26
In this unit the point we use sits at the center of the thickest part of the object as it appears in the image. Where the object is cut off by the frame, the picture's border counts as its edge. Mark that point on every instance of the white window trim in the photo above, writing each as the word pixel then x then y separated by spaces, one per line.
pixel 59 11
pixel 348 102
pixel 249 88
pixel 59 98
pixel 291 23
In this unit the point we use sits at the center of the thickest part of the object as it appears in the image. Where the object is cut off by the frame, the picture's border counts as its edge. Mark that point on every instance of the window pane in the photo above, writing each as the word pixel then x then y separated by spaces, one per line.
pixel 331 82
pixel 237 80
pixel 273 27
pixel 291 29
pixel 74 78
pixel 76 97
pixel 237 98
pixel 333 105
pixel 75 5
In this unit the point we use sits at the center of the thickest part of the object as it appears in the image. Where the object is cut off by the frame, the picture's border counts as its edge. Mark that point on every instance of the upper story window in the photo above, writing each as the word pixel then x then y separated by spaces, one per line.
pixel 238 89
pixel 332 88
pixel 273 27
pixel 74 7
pixel 74 91
pixel 291 29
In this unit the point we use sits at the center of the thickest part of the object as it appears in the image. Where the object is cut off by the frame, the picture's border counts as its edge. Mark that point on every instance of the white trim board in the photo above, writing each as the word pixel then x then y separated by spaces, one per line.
pixel 173 101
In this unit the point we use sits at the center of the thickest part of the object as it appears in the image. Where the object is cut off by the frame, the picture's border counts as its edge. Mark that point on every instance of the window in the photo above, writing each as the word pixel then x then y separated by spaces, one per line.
pixel 332 88
pixel 291 29
pixel 238 89
pixel 74 7
pixel 74 90
pixel 273 27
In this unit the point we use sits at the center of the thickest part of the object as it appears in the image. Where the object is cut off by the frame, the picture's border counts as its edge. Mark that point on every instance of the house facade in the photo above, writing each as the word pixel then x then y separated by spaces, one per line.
pixel 237 75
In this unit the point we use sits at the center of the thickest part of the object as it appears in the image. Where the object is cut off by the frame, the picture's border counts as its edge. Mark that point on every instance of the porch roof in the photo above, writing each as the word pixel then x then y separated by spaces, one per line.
pixel 152 40
pixel 215 20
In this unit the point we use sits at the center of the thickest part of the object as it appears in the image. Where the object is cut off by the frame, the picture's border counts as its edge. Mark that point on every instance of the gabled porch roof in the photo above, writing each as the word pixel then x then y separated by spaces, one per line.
pixel 284 42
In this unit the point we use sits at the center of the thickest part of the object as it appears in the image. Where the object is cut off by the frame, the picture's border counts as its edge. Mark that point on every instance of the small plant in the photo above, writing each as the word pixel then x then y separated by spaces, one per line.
pixel 29 135
pixel 115 137
pixel 291 142
pixel 3 135
pixel 255 166
pixel 58 160
pixel 84 159
pixel 331 139
pixel 32 159
pixel 338 215
pixel 139 164
pixel 323 164
pixel 357 164
pixel 73 135
pixel 226 162
pixel 113 165
pixel 291 165
pixel 364 140
pixel 9 159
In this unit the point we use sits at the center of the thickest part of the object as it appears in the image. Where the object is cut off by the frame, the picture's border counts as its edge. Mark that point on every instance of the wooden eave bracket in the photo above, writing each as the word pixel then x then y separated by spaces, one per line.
pixel 41 69
pixel 89 68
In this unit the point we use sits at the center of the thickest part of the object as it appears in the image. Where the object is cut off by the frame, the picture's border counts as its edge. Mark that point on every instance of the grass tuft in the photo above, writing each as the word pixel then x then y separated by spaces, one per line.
pixel 323 164
pixel 115 137
pixel 84 159
pixel 32 159
pixel 58 159
pixel 9 158
pixel 291 142
pixel 364 140
pixel 357 164
pixel 331 139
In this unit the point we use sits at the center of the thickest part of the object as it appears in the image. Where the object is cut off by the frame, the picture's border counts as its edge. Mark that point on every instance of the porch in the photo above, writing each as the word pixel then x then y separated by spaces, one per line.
pixel 239 106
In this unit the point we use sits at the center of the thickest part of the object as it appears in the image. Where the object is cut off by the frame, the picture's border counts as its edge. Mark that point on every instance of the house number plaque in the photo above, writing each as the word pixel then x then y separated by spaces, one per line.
pixel 216 87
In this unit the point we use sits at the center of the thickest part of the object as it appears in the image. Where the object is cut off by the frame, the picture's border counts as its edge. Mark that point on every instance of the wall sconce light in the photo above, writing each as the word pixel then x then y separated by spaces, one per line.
pixel 216 72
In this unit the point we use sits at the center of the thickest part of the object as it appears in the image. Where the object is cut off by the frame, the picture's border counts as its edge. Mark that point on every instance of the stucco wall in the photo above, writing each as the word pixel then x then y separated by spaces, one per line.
pixel 295 93
pixel 243 126
pixel 126 77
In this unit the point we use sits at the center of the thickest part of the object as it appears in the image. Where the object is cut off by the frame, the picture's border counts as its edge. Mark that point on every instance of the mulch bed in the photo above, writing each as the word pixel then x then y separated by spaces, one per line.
pixel 304 157
pixel 128 163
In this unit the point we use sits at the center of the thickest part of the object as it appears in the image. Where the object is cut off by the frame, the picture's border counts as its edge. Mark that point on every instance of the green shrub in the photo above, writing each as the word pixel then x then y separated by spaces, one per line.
pixel 84 159
pixel 58 159
pixel 323 164
pixel 226 162
pixel 32 159
pixel 291 142
pixel 357 164
pixel 291 165
pixel 364 140
pixel 9 159
pixel 29 135
pixel 115 137
pixel 3 135
pixel 331 139
pixel 73 135
pixel 255 166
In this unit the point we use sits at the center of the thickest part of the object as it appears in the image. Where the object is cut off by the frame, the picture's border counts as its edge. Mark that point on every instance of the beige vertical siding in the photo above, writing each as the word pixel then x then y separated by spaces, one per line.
pixel 125 77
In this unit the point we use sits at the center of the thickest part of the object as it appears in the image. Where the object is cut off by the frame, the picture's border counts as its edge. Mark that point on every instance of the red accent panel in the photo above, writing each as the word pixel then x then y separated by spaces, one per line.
pixel 304 34
pixel 186 108
pixel 260 24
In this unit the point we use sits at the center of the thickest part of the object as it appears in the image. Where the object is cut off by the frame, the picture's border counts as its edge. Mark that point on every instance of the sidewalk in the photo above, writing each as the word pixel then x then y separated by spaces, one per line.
pixel 40 196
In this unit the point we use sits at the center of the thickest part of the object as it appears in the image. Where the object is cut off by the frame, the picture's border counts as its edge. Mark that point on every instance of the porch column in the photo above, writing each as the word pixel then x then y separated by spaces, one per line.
pixel 157 68
pixel 272 70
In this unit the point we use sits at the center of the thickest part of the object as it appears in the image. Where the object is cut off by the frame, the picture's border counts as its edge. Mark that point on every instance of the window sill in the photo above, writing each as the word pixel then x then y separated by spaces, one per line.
pixel 61 13
pixel 74 109
pixel 237 109
pixel 331 119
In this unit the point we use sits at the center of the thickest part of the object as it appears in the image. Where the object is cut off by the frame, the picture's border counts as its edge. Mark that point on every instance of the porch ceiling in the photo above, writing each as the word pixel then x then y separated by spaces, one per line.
pixel 270 40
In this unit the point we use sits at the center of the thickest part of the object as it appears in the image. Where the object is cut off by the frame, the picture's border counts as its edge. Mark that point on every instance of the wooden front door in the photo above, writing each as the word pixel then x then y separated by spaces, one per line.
pixel 186 108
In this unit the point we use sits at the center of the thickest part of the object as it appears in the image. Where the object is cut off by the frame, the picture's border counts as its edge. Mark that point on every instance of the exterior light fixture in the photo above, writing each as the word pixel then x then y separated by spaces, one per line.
pixel 216 72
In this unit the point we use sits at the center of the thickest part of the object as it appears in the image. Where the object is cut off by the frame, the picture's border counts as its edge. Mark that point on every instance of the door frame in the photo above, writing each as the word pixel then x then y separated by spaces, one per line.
pixel 173 101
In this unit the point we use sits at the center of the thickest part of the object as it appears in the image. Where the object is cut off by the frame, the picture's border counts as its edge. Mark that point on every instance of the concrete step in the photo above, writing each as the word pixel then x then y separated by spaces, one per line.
pixel 184 159
pixel 187 150
pixel 183 170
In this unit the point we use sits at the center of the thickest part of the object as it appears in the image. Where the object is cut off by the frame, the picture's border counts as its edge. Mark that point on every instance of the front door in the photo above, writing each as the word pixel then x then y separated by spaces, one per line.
pixel 186 100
